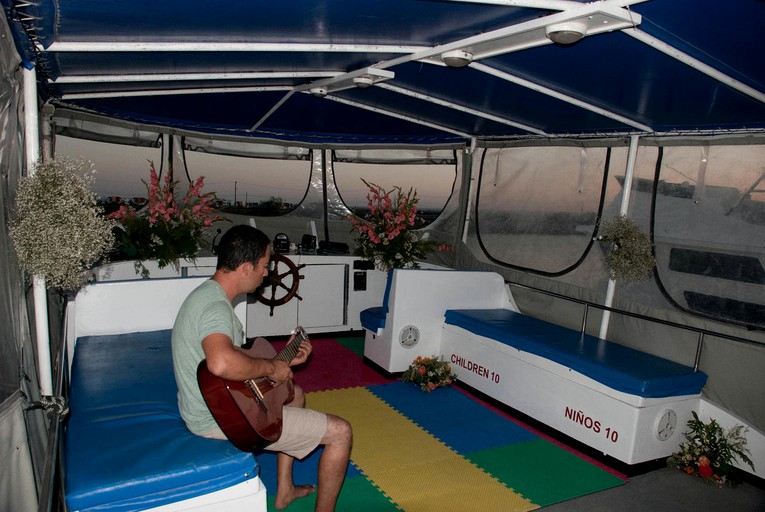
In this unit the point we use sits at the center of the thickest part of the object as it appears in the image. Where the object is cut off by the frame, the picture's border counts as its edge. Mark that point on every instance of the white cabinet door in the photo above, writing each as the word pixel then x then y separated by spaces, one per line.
pixel 261 323
pixel 323 290
pixel 324 293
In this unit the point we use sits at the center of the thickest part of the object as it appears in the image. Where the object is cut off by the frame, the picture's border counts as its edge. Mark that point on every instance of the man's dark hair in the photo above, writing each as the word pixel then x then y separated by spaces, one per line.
pixel 241 244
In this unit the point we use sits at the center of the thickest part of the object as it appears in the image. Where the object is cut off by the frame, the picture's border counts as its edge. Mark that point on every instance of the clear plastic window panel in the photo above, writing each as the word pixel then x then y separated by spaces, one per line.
pixel 119 168
pixel 251 186
pixel 710 230
pixel 433 183
pixel 536 208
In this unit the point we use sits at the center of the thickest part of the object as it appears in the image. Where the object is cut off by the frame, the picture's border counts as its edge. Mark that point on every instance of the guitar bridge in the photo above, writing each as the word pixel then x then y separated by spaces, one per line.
pixel 257 394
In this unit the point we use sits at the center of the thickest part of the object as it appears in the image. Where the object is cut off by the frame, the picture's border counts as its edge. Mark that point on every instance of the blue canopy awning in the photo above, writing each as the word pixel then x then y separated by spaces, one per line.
pixel 296 70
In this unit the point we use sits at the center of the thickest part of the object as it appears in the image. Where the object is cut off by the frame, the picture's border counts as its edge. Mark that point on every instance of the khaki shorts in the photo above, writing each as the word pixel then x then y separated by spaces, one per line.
pixel 302 431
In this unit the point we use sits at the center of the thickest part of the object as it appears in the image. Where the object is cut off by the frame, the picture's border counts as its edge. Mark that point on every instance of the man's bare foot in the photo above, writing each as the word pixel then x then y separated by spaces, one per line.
pixel 297 491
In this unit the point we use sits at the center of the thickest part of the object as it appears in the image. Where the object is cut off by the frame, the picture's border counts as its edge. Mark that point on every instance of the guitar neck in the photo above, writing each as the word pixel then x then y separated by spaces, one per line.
pixel 289 352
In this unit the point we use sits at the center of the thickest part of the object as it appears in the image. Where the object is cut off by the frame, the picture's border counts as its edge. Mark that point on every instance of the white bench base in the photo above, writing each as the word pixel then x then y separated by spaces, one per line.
pixel 618 424
pixel 416 306
pixel 249 495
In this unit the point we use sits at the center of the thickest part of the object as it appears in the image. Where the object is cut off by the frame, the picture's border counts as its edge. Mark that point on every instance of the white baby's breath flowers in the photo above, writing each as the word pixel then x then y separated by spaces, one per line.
pixel 630 256
pixel 58 228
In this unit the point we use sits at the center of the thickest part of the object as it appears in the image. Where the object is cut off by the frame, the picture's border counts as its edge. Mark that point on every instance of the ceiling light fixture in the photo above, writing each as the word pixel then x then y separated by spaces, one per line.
pixel 318 92
pixel 457 58
pixel 564 27
pixel 567 33
pixel 363 81
pixel 363 78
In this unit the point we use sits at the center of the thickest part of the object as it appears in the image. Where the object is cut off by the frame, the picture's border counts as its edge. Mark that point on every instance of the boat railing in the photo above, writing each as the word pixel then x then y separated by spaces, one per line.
pixel 701 332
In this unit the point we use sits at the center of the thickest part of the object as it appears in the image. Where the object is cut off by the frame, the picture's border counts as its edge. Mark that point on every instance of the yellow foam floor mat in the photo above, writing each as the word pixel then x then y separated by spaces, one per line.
pixel 408 464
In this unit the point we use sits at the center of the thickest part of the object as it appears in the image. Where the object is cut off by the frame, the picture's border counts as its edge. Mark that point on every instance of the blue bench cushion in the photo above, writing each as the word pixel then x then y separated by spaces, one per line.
pixel 618 367
pixel 126 446
pixel 373 319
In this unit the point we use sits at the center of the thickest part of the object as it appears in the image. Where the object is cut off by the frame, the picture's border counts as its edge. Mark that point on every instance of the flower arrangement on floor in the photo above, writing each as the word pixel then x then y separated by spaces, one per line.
pixel 386 235
pixel 429 373
pixel 59 230
pixel 710 450
pixel 630 257
pixel 165 230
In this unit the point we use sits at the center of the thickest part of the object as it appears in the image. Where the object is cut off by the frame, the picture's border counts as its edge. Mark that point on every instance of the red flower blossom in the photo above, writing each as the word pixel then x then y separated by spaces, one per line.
pixel 705 468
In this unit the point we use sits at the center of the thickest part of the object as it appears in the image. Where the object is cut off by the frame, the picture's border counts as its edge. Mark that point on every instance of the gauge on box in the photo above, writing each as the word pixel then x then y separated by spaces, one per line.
pixel 281 243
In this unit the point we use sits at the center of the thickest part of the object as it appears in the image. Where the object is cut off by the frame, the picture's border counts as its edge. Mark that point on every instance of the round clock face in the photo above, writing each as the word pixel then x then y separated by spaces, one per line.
pixel 409 336
pixel 666 425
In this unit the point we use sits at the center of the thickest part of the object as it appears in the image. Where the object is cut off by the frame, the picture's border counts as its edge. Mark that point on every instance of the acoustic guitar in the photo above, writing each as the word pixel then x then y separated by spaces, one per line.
pixel 250 412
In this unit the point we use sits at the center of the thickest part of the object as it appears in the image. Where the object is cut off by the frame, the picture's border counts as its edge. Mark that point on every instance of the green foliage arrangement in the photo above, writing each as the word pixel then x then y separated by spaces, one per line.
pixel 710 450
pixel 386 235
pixel 429 373
pixel 166 229
pixel 58 228
pixel 630 256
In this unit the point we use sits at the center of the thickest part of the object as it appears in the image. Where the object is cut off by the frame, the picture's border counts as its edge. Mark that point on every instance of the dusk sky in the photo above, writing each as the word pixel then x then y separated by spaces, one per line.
pixel 119 170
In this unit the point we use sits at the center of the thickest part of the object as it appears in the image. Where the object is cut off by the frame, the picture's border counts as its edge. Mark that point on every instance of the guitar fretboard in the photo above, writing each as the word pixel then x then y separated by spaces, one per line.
pixel 289 352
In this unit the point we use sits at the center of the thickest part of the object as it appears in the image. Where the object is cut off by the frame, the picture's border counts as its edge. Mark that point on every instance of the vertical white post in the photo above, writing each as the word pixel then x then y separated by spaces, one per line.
pixel 32 150
pixel 469 155
pixel 626 192
pixel 46 132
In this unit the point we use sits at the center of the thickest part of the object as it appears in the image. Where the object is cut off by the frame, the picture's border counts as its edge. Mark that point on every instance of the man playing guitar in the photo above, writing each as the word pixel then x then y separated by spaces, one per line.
pixel 206 328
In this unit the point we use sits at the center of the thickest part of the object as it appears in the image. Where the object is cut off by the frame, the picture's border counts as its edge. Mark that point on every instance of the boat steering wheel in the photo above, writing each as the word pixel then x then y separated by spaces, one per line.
pixel 286 282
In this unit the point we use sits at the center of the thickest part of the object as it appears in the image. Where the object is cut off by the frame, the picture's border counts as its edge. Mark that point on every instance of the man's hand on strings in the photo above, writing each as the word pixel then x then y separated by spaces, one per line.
pixel 303 352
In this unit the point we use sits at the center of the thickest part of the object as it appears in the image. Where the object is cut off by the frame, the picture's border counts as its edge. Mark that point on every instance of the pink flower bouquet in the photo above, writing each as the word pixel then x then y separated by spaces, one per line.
pixel 386 233
pixel 165 229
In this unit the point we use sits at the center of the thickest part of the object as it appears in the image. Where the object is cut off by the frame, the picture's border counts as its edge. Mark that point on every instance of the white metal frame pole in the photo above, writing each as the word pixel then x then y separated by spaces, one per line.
pixel 468 165
pixel 32 150
pixel 626 191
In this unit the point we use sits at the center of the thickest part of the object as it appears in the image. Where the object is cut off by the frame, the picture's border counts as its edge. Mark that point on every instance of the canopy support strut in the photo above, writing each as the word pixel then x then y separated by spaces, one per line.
pixel 626 191
pixel 40 294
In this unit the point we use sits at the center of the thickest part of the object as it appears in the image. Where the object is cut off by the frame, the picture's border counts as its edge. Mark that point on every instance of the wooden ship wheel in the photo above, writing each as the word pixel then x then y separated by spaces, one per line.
pixel 283 279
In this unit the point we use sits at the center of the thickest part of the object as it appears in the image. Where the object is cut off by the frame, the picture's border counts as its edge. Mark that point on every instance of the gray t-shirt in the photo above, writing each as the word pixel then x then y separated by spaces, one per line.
pixel 205 311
